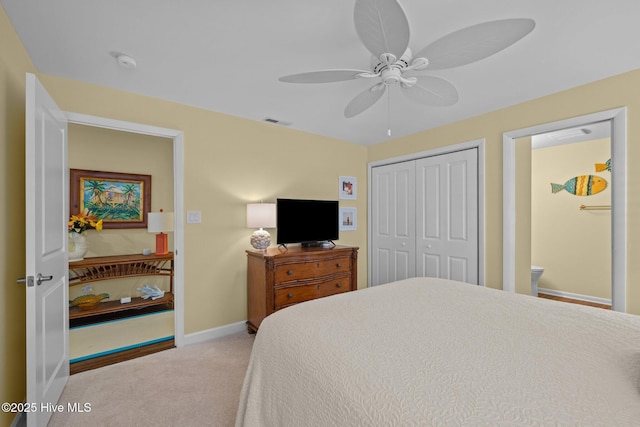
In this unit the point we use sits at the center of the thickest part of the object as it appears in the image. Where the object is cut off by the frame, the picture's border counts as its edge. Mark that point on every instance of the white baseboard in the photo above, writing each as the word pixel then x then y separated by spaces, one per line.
pixel 579 297
pixel 219 332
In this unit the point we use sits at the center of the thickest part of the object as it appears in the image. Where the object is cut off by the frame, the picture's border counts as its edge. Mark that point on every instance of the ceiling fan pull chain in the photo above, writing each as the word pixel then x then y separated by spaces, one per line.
pixel 389 112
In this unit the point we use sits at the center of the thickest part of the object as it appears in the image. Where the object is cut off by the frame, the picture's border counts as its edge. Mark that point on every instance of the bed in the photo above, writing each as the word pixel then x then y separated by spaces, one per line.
pixel 428 351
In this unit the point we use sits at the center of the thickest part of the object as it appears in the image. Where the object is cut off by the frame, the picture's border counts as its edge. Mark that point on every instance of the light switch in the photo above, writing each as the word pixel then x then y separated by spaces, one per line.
pixel 193 217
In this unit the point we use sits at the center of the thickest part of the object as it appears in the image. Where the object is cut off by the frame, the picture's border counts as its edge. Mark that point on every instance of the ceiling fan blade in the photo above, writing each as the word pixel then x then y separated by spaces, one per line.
pixel 325 76
pixel 382 26
pixel 364 100
pixel 475 43
pixel 432 91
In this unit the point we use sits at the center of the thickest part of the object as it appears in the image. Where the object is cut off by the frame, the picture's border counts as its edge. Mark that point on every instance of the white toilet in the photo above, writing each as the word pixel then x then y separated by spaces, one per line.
pixel 536 272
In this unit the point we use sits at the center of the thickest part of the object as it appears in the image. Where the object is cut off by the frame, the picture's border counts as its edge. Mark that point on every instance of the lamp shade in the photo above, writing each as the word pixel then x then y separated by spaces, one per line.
pixel 261 215
pixel 160 222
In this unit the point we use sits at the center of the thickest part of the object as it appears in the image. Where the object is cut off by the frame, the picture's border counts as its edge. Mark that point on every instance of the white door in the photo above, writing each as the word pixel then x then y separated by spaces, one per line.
pixel 393 225
pixel 447 216
pixel 424 218
pixel 47 201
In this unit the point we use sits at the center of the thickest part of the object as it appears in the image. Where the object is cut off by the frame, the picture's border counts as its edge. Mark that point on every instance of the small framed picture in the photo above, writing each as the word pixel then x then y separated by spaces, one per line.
pixel 348 219
pixel 347 187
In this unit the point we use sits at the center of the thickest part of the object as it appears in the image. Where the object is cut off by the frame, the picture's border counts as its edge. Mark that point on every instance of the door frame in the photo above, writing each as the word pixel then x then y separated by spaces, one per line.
pixel 477 144
pixel 178 199
pixel 618 118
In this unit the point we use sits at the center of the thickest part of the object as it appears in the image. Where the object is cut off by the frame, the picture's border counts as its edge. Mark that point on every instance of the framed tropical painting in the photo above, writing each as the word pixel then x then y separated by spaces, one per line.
pixel 121 200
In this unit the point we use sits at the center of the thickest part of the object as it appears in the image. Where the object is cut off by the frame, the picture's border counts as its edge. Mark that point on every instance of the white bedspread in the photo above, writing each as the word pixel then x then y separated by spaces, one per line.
pixel 426 352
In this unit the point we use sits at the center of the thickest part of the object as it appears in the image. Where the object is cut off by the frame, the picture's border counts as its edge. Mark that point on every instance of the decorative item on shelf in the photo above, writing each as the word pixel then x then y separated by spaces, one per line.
pixel 261 215
pixel 88 302
pixel 151 292
pixel 161 223
pixel 78 225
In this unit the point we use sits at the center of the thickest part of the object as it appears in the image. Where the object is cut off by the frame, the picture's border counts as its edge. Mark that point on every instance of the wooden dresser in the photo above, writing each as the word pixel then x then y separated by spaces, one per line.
pixel 278 277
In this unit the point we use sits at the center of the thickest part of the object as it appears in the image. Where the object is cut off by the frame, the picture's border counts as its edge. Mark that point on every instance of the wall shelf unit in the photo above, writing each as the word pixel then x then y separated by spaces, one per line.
pixel 117 267
pixel 96 269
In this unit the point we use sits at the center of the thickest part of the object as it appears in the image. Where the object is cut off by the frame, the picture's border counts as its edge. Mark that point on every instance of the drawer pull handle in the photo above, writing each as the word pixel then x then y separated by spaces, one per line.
pixel 339 285
pixel 339 265
pixel 289 296
pixel 290 272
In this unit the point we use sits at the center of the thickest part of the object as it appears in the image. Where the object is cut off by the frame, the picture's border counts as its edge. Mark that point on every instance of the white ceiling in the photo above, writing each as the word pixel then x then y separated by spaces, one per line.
pixel 227 55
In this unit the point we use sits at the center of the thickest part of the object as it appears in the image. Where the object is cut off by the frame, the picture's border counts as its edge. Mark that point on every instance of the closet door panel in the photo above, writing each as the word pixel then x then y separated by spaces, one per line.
pixel 393 222
pixel 447 209
pixel 458 194
pixel 429 209
pixel 424 218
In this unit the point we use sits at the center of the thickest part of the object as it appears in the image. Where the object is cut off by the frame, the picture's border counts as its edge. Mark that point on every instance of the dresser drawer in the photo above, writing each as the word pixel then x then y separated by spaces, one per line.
pixel 307 270
pixel 280 277
pixel 295 294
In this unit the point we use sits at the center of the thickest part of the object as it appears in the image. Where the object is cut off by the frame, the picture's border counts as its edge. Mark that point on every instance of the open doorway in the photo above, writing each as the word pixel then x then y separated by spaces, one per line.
pixel 173 157
pixel 571 215
pixel 518 279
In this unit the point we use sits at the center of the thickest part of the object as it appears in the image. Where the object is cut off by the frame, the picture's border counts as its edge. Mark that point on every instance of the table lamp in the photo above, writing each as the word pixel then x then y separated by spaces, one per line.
pixel 161 223
pixel 261 215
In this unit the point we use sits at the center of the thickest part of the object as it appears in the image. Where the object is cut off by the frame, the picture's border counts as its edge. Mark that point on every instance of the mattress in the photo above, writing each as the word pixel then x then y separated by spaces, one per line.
pixel 429 351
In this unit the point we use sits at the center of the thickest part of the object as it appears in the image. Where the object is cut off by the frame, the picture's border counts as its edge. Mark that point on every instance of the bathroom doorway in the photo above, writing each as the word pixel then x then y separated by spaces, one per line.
pixel 570 220
pixel 516 223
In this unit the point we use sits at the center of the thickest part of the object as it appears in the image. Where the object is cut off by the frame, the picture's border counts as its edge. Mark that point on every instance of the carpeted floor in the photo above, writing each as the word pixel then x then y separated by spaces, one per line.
pixel 197 385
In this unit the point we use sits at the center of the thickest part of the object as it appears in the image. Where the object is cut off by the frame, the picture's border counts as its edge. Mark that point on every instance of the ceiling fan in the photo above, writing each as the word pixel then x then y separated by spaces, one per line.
pixel 383 28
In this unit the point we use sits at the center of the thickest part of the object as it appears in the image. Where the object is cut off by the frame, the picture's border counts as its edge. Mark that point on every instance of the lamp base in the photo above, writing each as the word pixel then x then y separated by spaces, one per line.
pixel 162 244
pixel 260 239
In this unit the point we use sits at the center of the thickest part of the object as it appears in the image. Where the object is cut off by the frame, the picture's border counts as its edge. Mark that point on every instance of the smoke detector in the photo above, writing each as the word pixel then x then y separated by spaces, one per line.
pixel 126 61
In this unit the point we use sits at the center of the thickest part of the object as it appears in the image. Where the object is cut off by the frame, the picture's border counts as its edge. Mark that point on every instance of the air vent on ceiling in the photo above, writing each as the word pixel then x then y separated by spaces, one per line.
pixel 571 133
pixel 276 122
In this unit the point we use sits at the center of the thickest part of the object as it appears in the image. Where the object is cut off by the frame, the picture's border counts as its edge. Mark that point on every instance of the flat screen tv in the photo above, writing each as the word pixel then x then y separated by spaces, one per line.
pixel 308 222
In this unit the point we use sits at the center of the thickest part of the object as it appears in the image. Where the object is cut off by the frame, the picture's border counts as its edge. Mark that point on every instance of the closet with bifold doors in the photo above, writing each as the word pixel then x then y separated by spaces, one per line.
pixel 424 218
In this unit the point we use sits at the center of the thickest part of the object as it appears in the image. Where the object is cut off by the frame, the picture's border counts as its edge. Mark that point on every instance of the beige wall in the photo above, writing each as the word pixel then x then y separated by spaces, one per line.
pixel 14 62
pixel 618 91
pixel 573 245
pixel 228 162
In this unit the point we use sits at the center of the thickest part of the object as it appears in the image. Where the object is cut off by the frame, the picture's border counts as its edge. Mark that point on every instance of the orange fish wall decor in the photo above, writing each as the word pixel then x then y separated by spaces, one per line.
pixel 604 166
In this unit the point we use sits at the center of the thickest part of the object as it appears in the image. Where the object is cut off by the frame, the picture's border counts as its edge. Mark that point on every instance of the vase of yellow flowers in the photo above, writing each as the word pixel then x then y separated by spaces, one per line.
pixel 78 225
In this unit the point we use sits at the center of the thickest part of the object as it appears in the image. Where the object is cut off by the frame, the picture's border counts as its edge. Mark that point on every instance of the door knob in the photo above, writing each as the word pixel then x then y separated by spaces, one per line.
pixel 40 278
pixel 29 279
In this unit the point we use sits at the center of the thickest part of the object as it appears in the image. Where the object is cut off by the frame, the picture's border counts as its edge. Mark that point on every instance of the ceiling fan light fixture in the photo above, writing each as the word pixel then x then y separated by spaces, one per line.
pixel 383 28
pixel 390 76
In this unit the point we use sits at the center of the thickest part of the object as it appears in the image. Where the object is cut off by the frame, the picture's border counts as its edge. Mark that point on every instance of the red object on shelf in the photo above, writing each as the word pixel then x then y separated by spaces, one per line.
pixel 162 244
